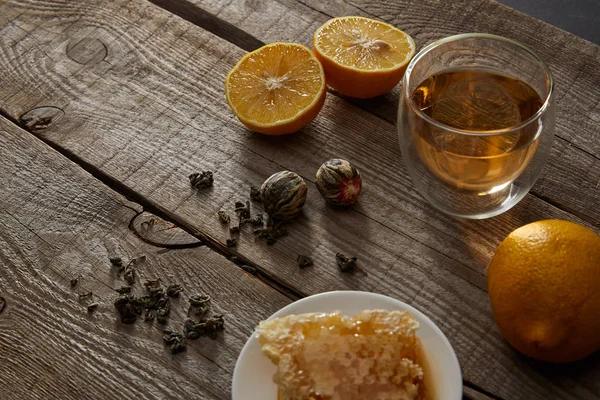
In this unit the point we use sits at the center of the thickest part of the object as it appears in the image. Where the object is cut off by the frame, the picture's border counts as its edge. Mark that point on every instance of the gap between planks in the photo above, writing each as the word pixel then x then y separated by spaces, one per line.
pixel 244 40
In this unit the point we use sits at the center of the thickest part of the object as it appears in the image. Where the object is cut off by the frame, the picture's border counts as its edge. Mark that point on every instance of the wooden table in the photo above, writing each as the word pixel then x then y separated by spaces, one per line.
pixel 107 106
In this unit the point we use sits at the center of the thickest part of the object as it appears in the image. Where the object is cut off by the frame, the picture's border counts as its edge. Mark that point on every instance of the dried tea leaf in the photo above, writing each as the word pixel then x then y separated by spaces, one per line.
pixel 174 289
pixel 242 210
pixel 255 194
pixel 189 330
pixel 149 315
pixel 304 261
pixel 257 221
pixel 272 232
pixel 346 264
pixel 129 276
pixel 223 217
pixel 129 308
pixel 205 327
pixel 116 261
pixel 175 340
pixel 150 284
pixel 123 290
pixel 162 313
pixel 200 303
pixel 201 180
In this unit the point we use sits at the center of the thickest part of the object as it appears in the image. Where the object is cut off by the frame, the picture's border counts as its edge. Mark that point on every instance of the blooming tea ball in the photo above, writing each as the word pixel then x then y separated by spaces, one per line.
pixel 283 194
pixel 339 182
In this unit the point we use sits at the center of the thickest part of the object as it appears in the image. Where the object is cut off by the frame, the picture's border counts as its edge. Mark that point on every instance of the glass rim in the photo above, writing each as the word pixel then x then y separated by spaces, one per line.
pixel 437 43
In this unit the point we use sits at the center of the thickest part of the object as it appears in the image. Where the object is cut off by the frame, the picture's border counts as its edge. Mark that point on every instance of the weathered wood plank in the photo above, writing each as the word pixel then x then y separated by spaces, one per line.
pixel 153 111
pixel 571 178
pixel 472 394
pixel 57 223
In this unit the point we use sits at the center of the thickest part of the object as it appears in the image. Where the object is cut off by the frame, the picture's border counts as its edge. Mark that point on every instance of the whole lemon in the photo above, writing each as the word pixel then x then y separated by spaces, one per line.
pixel 544 287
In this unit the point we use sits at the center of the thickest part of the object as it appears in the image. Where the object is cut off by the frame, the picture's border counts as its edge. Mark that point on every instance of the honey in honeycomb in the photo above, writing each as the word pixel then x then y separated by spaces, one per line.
pixel 373 355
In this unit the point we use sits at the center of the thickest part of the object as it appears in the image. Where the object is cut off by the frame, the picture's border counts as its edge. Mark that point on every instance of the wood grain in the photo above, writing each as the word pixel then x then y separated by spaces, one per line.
pixel 571 179
pixel 473 394
pixel 153 111
pixel 56 223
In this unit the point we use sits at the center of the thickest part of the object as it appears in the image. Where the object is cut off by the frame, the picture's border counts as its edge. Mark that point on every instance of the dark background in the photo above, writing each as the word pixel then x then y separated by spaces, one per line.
pixel 580 17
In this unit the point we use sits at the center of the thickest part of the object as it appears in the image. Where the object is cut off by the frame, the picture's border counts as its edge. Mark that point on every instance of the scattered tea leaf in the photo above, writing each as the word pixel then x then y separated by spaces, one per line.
pixel 149 284
pixel 74 282
pixel 149 315
pixel 199 300
pixel 175 340
pixel 304 261
pixel 129 272
pixel 129 308
pixel 189 330
pixel 116 261
pixel 255 194
pixel 174 289
pixel 243 211
pixel 155 305
pixel 346 264
pixel 234 230
pixel 257 221
pixel 200 303
pixel 231 242
pixel 205 327
pixel 201 180
pixel 162 313
pixel 272 232
pixel 123 290
pixel 129 276
pixel 223 217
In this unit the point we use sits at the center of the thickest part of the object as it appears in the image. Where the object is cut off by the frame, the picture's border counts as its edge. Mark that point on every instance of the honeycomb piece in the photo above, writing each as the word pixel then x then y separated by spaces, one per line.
pixel 319 356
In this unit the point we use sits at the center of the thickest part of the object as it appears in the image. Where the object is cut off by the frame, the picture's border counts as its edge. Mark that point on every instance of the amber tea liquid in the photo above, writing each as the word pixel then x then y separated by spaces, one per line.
pixel 476 101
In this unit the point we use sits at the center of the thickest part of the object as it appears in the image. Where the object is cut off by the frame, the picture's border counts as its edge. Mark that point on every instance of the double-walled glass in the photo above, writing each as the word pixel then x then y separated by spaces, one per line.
pixel 475 173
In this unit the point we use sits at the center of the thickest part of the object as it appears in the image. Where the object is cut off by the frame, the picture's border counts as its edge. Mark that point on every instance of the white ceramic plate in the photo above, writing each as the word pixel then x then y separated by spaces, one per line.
pixel 253 374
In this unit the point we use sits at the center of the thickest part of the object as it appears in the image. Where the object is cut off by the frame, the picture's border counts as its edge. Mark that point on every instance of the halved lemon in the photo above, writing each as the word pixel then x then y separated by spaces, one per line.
pixel 277 89
pixel 362 57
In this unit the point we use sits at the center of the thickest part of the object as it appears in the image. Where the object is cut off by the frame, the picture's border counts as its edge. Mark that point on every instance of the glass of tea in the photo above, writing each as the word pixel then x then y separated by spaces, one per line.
pixel 476 123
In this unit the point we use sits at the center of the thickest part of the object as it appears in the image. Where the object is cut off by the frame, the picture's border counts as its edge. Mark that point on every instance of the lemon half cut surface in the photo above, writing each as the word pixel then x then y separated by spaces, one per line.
pixel 277 89
pixel 362 57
